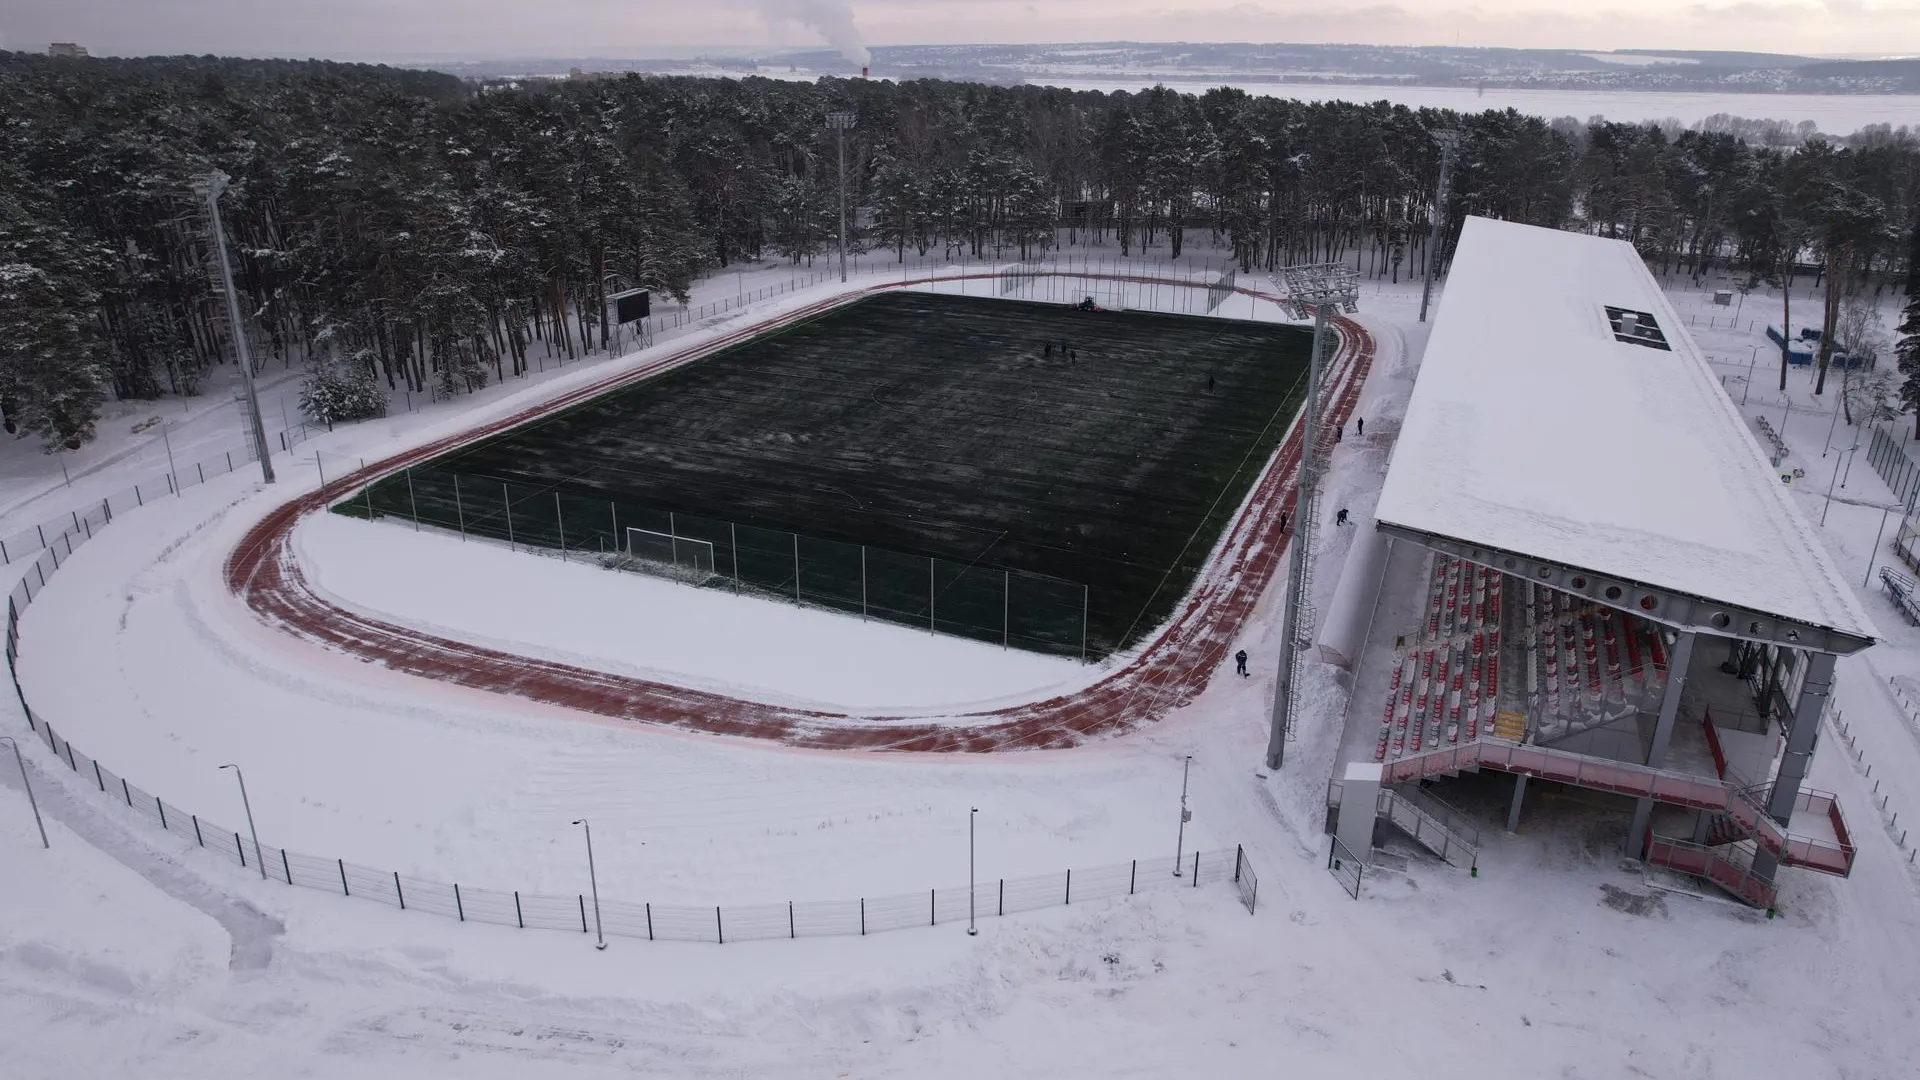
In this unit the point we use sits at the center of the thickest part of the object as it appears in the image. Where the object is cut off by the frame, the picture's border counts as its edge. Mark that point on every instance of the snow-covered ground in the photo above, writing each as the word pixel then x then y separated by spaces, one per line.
pixel 126 953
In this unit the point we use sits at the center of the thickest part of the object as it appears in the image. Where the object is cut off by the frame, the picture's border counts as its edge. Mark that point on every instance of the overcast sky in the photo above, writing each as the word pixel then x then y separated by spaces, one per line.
pixel 480 28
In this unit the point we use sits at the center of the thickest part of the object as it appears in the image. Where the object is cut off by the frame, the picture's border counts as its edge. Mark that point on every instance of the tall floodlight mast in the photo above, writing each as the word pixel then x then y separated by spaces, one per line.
pixel 840 121
pixel 1449 142
pixel 1319 290
pixel 209 187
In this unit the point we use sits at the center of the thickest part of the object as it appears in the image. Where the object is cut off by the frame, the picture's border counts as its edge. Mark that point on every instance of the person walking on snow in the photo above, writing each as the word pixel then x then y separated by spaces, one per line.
pixel 1359 425
pixel 1341 517
pixel 1240 662
pixel 1338 432
pixel 1283 524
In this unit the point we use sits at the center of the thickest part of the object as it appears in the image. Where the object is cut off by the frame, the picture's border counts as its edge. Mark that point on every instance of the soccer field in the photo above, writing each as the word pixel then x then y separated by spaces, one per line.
pixel 920 458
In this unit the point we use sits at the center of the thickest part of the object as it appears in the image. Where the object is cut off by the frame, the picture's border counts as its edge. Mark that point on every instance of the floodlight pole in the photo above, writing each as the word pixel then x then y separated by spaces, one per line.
pixel 1318 287
pixel 209 187
pixel 1449 141
pixel 840 121
pixel 1283 690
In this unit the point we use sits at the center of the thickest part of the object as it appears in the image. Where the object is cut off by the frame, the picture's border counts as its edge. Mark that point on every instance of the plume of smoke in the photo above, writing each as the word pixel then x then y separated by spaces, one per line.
pixel 831 19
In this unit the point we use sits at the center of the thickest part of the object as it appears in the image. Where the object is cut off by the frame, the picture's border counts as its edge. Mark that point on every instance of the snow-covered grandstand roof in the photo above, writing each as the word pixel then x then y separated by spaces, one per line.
pixel 1603 453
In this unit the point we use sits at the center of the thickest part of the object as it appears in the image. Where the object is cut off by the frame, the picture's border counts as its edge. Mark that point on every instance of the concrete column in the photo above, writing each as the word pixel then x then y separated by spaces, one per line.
pixel 1802 737
pixel 1519 793
pixel 1677 664
pixel 1359 803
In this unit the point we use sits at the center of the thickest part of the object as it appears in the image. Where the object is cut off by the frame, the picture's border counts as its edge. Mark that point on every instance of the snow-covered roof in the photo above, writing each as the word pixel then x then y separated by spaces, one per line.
pixel 1535 430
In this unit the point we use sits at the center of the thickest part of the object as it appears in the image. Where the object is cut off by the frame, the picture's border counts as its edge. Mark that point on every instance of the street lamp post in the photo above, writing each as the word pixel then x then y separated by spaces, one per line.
pixel 1752 359
pixel 1180 838
pixel 840 121
pixel 1878 535
pixel 248 805
pixel 1848 455
pixel 593 880
pixel 972 928
pixel 28 784
pixel 1832 425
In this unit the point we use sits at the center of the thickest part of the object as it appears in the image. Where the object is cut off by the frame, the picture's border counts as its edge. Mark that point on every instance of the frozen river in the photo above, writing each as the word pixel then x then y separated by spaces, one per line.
pixel 1836 114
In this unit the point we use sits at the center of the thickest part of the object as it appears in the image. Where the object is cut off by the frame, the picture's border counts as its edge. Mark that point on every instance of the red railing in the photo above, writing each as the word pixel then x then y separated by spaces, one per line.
pixel 1745 807
pixel 1730 868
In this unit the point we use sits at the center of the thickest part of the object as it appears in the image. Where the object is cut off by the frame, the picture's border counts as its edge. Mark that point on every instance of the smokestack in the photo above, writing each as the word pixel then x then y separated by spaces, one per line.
pixel 863 72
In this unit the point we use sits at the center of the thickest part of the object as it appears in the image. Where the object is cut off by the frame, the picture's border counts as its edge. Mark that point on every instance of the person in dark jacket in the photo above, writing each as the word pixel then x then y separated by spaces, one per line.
pixel 1340 518
pixel 1240 662
pixel 1359 425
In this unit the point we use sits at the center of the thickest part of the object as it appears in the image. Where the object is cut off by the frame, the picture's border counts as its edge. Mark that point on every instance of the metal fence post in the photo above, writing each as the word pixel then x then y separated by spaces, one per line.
pixel 1084 602
pixel 560 523
pixel 649 920
pixel 459 908
pixel 162 807
pixel 519 919
pixel 733 534
pixel 342 864
pixel 719 930
pixel 197 838
pixel 1003 896
pixel 1132 876
pixel 1006 606
pixel 613 515
pixel 1069 898
pixel 863 583
pixel 1196 869
pixel 412 503
pixel 796 568
pixel 397 892
pixel 790 933
pixel 930 594
pixel 863 916
pixel 241 848
pixel 506 500
pixel 285 866
pixel 459 511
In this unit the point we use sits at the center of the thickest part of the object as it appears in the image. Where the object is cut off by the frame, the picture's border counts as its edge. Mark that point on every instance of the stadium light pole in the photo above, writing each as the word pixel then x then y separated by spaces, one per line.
pixel 248 805
pixel 972 927
pixel 1449 142
pixel 840 120
pixel 593 880
pixel 209 187
pixel 1314 288
pixel 28 784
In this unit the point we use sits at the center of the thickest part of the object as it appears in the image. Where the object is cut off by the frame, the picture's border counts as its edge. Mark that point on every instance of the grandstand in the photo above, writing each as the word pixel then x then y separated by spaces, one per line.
pixel 1595 579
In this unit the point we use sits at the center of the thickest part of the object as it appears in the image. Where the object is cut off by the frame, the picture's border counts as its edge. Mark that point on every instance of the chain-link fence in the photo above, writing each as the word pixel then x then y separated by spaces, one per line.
pixel 1010 608
pixel 1887 453
pixel 663 922
pixel 42 537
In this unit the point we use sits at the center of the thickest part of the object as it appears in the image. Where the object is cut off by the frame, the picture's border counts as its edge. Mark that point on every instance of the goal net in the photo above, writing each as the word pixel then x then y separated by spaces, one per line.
pixel 678 557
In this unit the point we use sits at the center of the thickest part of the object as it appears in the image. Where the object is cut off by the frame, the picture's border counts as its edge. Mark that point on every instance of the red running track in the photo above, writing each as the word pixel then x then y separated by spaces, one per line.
pixel 1174 667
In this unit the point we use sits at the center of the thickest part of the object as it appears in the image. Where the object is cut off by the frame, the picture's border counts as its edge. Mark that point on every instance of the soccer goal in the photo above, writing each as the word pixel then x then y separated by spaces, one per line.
pixel 679 557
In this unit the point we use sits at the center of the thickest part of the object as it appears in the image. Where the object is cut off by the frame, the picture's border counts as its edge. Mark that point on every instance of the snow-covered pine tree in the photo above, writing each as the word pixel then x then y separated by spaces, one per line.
pixel 340 391
pixel 1908 349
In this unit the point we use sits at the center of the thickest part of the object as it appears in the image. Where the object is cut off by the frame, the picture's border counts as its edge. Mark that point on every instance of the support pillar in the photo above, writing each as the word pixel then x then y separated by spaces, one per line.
pixel 1519 794
pixel 1802 738
pixel 1359 806
pixel 1677 664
